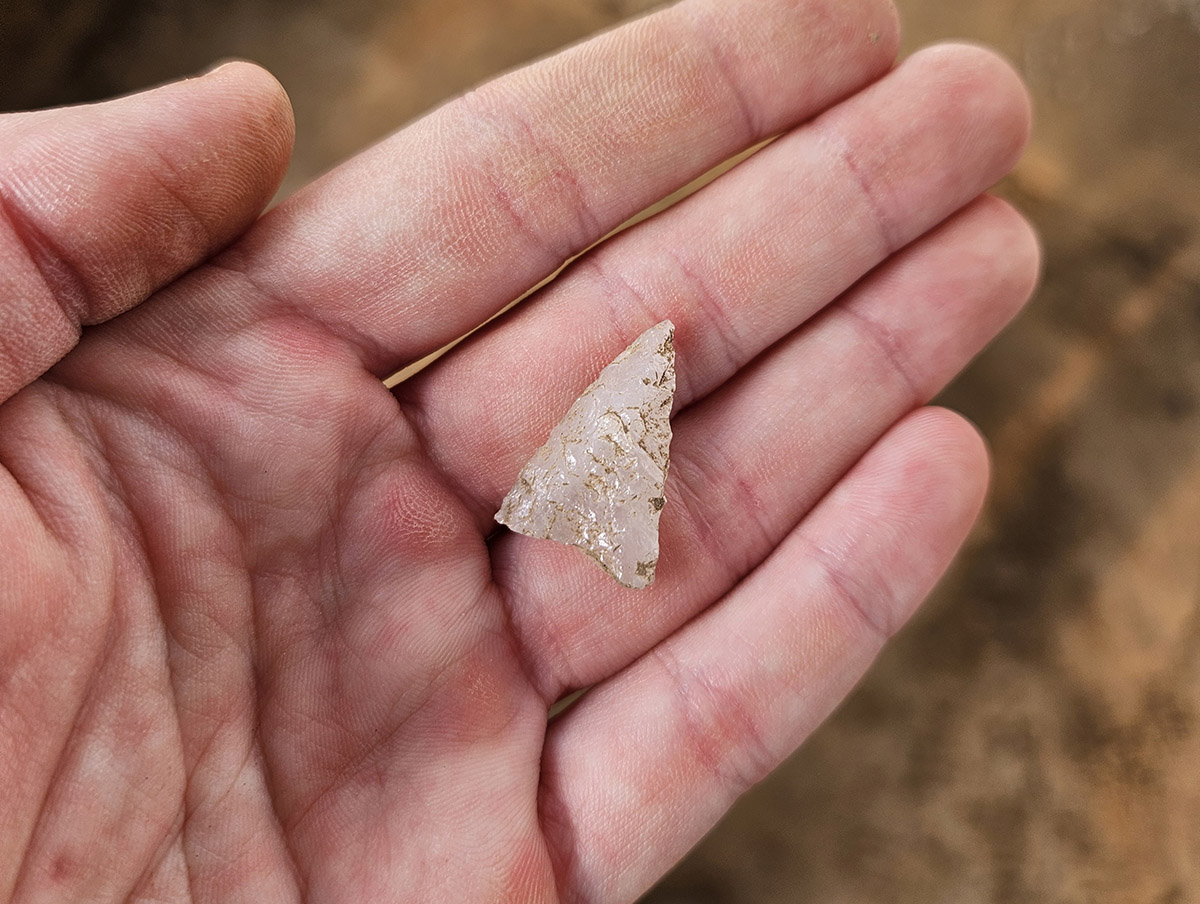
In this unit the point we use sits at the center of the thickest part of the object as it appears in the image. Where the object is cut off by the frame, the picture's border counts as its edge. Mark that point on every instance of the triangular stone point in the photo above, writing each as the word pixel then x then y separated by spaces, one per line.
pixel 597 483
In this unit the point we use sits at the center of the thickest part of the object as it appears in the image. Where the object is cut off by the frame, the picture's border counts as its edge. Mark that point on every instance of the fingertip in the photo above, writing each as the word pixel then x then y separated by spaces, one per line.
pixel 988 90
pixel 873 23
pixel 888 35
pixel 258 85
pixel 873 26
pixel 1000 250
pixel 911 503
pixel 1023 246
pixel 262 109
pixel 953 455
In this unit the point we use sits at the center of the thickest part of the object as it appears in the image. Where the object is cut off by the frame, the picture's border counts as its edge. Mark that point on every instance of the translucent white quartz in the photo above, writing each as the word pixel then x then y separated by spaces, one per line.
pixel 597 483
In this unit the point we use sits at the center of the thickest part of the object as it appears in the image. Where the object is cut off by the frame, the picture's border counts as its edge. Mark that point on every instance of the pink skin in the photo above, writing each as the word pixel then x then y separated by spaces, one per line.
pixel 259 643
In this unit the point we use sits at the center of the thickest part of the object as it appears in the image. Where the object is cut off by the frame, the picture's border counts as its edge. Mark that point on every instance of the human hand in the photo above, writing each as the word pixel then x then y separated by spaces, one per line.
pixel 260 640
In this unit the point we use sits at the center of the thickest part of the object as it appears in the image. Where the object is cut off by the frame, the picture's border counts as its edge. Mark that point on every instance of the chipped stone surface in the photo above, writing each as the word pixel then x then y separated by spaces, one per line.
pixel 597 483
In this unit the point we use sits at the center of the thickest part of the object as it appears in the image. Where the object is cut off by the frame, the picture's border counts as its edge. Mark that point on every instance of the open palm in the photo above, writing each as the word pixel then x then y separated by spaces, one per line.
pixel 259 637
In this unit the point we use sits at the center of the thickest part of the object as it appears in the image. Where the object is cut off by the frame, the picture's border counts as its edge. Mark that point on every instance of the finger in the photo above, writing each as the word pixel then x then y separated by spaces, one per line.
pixel 735 267
pixel 645 764
pixel 750 460
pixel 102 204
pixel 426 236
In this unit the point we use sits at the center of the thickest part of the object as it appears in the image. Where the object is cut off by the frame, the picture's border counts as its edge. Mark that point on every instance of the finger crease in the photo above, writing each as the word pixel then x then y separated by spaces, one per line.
pixel 542 684
pixel 64 283
pixel 721 65
pixel 715 308
pixel 721 735
pixel 208 239
pixel 885 228
pixel 700 480
pixel 590 227
pixel 553 249
pixel 845 589
pixel 885 341
pixel 632 301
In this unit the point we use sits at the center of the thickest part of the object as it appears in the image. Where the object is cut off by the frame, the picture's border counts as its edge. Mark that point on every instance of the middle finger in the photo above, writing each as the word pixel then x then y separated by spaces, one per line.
pixel 736 267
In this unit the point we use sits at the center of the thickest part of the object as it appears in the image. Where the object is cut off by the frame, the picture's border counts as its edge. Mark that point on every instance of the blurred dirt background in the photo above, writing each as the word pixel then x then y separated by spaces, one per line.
pixel 1035 734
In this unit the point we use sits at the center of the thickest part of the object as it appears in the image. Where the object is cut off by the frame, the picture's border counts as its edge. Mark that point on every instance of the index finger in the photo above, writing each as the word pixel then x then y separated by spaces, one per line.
pixel 427 235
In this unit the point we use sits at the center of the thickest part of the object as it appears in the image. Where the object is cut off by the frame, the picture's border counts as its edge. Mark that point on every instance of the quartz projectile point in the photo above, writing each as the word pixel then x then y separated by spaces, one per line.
pixel 597 483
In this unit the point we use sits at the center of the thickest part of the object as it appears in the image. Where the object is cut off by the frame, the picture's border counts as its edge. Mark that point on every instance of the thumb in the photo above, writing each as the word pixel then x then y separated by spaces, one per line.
pixel 102 204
